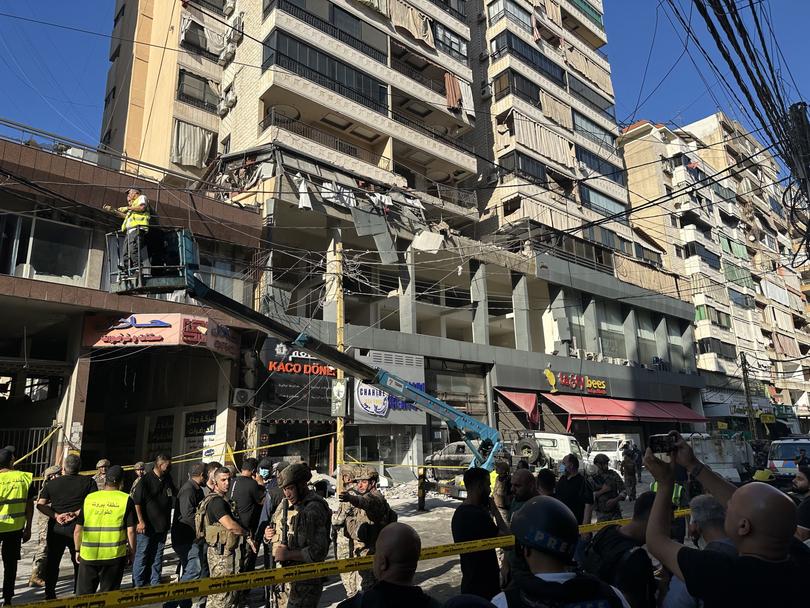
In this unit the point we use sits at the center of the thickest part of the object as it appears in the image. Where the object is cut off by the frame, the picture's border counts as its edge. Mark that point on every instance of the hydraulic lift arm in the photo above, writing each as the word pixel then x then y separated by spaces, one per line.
pixel 470 428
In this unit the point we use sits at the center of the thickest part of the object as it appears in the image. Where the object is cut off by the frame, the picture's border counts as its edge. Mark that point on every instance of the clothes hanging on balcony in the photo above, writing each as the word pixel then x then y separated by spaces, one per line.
pixel 552 10
pixel 467 99
pixel 304 200
pixel 453 89
pixel 215 42
pixel 404 16
pixel 191 145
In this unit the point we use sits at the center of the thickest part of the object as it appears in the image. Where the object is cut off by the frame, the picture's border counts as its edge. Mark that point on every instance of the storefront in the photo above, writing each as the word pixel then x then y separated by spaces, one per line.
pixel 385 428
pixel 727 411
pixel 159 383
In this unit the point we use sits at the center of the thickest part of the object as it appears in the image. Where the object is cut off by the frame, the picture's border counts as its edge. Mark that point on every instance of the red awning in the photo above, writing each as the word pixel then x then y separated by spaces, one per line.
pixel 680 412
pixel 525 401
pixel 596 408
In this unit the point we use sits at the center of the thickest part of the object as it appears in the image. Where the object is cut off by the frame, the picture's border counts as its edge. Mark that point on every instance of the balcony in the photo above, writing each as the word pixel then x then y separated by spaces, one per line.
pixel 435 132
pixel 449 7
pixel 442 191
pixel 580 17
pixel 324 138
pixel 417 68
pixel 327 28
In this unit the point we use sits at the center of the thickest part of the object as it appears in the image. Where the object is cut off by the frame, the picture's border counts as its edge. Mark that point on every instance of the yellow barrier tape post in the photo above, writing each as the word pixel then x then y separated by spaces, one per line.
pixel 262 578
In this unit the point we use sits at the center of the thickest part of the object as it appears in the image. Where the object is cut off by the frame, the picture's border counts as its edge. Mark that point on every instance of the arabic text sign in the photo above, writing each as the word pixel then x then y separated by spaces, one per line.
pixel 170 329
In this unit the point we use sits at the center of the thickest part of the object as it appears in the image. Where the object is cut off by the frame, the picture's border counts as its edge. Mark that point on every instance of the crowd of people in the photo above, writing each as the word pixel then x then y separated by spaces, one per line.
pixel 220 520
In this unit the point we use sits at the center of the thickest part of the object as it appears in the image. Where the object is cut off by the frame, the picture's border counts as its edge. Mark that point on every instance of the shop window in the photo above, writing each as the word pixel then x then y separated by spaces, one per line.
pixel 646 337
pixel 611 330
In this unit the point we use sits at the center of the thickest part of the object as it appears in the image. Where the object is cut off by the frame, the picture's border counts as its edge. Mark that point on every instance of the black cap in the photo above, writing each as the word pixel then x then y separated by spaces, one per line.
pixel 6 458
pixel 10 448
pixel 115 474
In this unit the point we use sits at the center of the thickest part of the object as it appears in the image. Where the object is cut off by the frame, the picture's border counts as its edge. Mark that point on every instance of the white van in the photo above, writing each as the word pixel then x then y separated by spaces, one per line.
pixel 555 446
pixel 611 446
pixel 782 453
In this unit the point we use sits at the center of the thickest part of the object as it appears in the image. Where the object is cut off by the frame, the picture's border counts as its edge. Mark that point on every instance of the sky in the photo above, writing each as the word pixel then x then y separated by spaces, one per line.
pixel 54 79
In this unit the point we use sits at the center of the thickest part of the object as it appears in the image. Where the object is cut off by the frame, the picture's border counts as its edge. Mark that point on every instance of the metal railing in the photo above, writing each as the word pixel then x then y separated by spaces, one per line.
pixel 597 140
pixel 325 139
pixel 508 14
pixel 414 74
pixel 463 198
pixel 450 10
pixel 215 7
pixel 430 131
pixel 589 12
pixel 327 28
pixel 288 63
pixel 197 103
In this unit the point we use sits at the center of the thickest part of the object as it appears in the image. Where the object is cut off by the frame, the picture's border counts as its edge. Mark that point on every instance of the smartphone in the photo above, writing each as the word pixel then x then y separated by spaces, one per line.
pixel 662 444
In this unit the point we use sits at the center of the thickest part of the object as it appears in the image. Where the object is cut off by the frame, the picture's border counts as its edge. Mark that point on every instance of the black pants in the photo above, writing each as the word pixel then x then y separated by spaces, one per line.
pixel 105 576
pixel 59 538
pixel 10 549
pixel 135 252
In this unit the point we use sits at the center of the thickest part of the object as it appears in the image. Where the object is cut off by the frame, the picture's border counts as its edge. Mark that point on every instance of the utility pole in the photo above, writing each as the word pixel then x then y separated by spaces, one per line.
pixel 334 296
pixel 749 407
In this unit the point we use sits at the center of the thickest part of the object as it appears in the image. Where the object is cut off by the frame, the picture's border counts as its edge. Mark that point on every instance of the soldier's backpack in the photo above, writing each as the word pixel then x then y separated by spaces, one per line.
pixel 199 516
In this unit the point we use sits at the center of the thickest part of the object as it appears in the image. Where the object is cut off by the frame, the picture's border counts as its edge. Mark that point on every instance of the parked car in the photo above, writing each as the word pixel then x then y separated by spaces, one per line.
pixel 543 449
pixel 455 454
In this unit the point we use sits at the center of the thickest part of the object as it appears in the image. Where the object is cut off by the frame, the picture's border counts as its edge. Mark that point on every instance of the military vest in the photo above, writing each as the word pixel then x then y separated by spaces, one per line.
pixel 13 498
pixel 104 533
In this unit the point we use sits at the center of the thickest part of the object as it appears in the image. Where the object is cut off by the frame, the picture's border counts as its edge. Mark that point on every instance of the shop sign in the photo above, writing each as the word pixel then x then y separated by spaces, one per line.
pixel 170 329
pixel 565 382
pixel 767 418
pixel 200 433
pixel 375 406
pixel 301 384
pixel 161 432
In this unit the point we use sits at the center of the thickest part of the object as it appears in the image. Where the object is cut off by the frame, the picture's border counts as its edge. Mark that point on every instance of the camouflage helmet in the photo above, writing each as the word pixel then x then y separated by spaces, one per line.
pixel 295 473
pixel 367 473
pixel 52 470
pixel 348 471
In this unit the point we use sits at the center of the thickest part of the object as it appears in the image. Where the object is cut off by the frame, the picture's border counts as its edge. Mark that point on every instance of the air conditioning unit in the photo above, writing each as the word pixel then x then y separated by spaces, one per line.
pixel 590 356
pixel 581 353
pixel 222 107
pixel 486 91
pixel 493 177
pixel 236 32
pixel 572 352
pixel 623 361
pixel 600 358
pixel 227 54
pixel 481 17
pixel 243 397
pixel 229 7
pixel 230 98
pixel 484 56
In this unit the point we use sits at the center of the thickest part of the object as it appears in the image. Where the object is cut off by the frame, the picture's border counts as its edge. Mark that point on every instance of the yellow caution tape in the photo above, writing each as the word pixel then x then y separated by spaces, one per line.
pixel 159 594
pixel 40 446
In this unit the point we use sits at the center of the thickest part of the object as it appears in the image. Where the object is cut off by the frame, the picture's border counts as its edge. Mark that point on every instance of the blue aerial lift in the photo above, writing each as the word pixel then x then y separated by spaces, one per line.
pixel 174 264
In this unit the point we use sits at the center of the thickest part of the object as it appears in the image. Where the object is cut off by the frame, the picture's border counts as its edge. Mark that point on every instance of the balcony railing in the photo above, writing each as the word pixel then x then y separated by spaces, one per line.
pixel 288 63
pixel 198 103
pixel 430 131
pixel 327 28
pixel 589 12
pixel 597 140
pixel 462 198
pixel 445 6
pixel 508 14
pixel 215 7
pixel 325 139
pixel 414 74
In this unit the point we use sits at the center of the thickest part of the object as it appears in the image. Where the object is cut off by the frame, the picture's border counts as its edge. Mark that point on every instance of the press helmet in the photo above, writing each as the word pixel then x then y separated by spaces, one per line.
pixel 546 524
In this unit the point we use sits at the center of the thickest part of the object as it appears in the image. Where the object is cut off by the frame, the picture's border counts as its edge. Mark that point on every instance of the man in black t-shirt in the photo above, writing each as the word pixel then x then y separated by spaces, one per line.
pixel 61 501
pixel 772 565
pixel 184 534
pixel 248 496
pixel 575 492
pixel 154 499
pixel 616 556
pixel 475 519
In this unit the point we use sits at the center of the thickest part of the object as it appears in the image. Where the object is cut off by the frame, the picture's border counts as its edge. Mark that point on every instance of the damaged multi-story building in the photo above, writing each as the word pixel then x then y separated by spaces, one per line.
pixel 722 223
pixel 440 175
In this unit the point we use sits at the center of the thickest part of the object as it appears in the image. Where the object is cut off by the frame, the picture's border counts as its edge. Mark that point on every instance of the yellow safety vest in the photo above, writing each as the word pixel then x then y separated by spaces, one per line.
pixel 676 492
pixel 137 219
pixel 104 534
pixel 13 498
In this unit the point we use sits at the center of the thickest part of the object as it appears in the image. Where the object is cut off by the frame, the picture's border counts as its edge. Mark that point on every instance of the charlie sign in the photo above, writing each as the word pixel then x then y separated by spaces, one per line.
pixel 374 406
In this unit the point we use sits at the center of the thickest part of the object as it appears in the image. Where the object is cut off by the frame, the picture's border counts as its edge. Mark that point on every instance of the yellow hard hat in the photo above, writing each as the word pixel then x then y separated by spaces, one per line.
pixel 764 475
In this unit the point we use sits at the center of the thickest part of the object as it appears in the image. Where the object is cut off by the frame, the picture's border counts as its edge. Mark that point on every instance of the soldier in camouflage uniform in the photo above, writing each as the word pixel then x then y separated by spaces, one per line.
pixel 367 514
pixel 223 535
pixel 340 539
pixel 38 569
pixel 300 534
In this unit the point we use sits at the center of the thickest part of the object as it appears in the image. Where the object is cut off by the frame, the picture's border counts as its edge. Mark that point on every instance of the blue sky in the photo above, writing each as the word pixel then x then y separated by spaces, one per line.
pixel 54 79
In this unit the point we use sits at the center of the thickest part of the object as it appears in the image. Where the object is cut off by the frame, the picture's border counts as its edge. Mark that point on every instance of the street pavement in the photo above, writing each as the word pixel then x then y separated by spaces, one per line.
pixel 440 578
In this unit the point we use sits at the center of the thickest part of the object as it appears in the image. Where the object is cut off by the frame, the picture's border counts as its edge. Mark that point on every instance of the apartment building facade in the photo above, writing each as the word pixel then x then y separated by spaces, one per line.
pixel 721 223
pixel 432 161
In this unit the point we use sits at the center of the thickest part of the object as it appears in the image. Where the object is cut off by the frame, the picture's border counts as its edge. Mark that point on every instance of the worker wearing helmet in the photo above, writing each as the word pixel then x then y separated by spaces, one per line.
pixel 546 532
pixel 299 532
pixel 367 513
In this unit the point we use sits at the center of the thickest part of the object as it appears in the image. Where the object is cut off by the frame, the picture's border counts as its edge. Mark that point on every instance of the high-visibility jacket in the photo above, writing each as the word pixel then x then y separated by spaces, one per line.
pixel 137 219
pixel 104 533
pixel 13 498
pixel 677 491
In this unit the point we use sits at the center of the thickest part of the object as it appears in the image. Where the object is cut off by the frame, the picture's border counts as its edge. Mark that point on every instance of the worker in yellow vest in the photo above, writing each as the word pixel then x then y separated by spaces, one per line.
pixel 136 217
pixel 104 536
pixel 16 514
